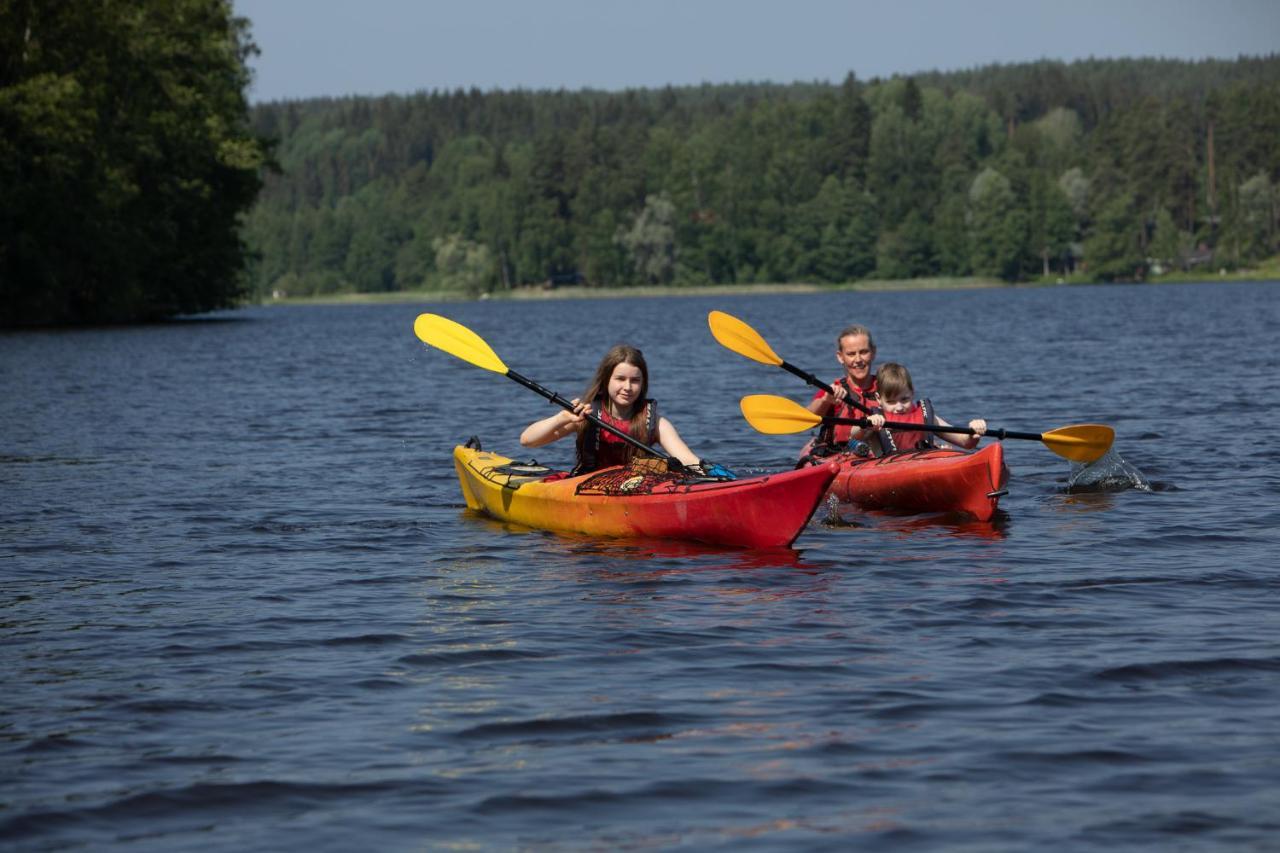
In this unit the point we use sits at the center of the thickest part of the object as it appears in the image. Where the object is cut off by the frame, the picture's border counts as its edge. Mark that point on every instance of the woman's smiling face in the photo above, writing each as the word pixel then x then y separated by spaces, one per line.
pixel 856 355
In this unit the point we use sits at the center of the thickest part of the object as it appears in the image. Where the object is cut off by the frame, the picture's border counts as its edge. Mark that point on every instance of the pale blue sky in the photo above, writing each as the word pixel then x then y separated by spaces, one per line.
pixel 341 47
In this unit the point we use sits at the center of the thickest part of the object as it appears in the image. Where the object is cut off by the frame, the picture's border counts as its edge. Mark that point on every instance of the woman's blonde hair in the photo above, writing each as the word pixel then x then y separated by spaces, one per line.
pixel 854 331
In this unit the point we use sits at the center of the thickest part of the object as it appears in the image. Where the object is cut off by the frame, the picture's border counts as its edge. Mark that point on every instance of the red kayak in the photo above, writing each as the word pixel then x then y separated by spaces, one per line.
pixel 933 480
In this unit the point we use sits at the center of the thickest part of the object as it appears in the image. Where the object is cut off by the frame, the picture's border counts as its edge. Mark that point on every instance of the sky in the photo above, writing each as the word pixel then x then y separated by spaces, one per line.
pixel 316 48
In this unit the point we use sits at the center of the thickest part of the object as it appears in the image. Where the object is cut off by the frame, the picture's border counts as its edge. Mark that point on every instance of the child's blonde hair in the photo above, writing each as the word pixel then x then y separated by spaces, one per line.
pixel 892 380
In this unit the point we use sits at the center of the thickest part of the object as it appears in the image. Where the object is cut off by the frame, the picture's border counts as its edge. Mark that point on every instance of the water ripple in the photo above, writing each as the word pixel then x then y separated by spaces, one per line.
pixel 243 606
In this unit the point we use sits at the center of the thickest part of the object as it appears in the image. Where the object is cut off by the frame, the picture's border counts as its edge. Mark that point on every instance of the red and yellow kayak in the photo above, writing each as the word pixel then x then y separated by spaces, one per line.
pixel 760 512
pixel 934 480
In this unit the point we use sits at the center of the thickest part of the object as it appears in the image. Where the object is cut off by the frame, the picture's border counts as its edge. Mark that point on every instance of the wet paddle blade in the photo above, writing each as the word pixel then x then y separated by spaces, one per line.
pixel 774 415
pixel 736 335
pixel 457 340
pixel 1080 443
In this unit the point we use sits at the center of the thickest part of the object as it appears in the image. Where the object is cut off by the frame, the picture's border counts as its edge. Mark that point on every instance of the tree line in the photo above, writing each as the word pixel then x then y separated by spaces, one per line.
pixel 138 183
pixel 1008 171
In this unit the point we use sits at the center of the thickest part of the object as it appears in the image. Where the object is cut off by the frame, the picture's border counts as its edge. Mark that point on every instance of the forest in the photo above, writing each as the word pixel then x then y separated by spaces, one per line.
pixel 1102 169
pixel 140 184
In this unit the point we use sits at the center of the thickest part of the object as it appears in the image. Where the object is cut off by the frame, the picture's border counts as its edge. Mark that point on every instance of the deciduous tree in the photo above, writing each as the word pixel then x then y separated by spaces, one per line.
pixel 126 160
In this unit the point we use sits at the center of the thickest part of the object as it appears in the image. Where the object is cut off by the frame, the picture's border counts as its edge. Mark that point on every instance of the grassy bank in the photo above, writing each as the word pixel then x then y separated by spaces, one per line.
pixel 1268 271
pixel 578 292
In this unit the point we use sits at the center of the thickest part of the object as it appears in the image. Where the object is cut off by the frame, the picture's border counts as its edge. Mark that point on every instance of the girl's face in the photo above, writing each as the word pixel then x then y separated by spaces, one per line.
pixel 625 386
pixel 856 355
pixel 899 403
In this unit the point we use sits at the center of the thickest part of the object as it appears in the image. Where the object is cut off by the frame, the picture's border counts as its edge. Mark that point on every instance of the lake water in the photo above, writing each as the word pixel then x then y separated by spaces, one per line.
pixel 244 607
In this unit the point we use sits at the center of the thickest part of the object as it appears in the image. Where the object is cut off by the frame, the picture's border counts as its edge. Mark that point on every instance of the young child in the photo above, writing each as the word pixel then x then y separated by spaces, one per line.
pixel 856 352
pixel 898 403
pixel 617 395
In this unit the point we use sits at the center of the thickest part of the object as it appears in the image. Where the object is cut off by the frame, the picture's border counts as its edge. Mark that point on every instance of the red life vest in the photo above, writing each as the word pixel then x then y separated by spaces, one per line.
pixel 870 398
pixel 910 439
pixel 602 449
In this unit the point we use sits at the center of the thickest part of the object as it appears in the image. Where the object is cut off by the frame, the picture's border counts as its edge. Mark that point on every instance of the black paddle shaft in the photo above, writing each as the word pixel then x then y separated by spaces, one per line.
pixel 997 434
pixel 557 400
pixel 818 383
pixel 991 433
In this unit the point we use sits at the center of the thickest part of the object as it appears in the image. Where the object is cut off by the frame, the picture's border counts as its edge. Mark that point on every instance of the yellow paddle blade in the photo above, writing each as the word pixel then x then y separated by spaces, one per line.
pixel 457 340
pixel 736 335
pixel 1080 443
pixel 774 415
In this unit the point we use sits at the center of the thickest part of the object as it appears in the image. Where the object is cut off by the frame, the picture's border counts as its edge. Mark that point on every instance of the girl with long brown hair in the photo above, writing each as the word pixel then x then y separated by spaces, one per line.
pixel 618 395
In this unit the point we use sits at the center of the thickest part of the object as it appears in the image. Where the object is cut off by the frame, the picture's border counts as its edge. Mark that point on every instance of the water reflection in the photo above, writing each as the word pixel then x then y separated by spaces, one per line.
pixel 958 525
pixel 683 556
pixel 692 556
pixel 1086 502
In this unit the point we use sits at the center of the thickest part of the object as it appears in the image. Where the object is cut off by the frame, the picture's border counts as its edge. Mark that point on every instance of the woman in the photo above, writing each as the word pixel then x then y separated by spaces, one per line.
pixel 856 392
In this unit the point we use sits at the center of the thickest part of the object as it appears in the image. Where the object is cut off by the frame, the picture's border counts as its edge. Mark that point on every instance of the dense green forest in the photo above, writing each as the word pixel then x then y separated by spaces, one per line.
pixel 126 159
pixel 134 174
pixel 1013 171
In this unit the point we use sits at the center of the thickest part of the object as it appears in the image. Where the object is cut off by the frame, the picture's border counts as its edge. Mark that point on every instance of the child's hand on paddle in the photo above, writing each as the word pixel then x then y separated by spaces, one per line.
pixel 573 420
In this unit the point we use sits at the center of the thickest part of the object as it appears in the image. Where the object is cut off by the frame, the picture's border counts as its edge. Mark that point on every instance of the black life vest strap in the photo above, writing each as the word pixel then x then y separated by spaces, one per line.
pixel 827 432
pixel 591 440
pixel 891 444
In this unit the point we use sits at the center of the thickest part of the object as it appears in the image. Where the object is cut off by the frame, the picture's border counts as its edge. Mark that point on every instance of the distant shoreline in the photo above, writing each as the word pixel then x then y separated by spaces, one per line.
pixel 537 293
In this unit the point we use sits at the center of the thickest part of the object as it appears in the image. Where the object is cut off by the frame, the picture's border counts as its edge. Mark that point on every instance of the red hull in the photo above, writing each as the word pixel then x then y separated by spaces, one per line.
pixel 937 480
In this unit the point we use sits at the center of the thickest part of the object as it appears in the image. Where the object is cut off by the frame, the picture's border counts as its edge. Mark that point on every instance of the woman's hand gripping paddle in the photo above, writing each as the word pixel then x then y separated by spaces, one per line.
pixel 774 415
pixel 457 340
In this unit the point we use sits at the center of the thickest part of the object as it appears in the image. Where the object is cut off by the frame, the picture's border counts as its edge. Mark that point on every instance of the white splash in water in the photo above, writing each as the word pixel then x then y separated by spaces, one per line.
pixel 1111 473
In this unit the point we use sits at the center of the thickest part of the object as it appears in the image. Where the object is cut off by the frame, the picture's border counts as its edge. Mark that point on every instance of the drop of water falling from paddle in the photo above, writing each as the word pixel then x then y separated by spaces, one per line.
pixel 1111 473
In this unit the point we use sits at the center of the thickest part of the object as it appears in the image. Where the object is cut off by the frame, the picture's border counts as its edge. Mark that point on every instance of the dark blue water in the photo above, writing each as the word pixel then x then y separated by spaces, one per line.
pixel 244 608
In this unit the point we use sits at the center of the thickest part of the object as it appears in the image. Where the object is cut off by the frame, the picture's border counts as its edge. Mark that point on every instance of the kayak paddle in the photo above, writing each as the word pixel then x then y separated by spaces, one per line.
pixel 736 335
pixel 457 340
pixel 775 415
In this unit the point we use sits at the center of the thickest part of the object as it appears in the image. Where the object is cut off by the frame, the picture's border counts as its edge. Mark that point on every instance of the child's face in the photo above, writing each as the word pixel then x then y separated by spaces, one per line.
pixel 625 385
pixel 898 403
pixel 856 355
